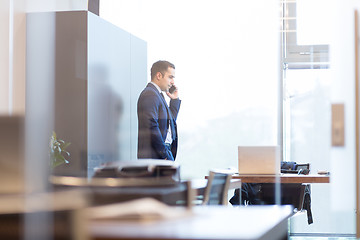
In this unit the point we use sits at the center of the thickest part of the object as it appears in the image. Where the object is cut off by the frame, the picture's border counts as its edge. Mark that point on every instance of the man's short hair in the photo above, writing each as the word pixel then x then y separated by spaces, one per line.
pixel 160 66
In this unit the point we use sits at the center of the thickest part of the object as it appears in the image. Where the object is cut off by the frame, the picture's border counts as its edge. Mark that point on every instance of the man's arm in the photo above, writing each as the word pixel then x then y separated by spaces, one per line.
pixel 175 107
pixel 174 102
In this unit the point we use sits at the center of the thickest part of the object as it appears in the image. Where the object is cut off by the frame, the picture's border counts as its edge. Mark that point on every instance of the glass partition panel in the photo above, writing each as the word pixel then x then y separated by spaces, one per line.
pixel 27 54
pixel 307 124
pixel 311 86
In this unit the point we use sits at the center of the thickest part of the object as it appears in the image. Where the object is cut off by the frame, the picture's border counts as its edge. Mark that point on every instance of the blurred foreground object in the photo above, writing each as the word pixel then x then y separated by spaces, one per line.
pixel 12 154
pixel 22 216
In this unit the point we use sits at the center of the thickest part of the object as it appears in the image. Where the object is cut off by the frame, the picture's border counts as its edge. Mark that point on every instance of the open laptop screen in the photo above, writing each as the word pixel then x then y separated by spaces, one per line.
pixel 259 159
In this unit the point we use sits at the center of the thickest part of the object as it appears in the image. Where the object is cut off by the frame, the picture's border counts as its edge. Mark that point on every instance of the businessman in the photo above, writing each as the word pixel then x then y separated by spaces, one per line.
pixel 157 138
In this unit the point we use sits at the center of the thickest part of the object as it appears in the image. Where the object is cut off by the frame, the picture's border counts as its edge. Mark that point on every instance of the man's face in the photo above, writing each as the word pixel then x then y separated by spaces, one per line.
pixel 166 79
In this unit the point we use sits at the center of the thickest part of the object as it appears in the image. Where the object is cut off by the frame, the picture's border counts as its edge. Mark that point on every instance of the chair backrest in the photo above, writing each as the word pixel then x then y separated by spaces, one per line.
pixel 217 188
pixel 186 196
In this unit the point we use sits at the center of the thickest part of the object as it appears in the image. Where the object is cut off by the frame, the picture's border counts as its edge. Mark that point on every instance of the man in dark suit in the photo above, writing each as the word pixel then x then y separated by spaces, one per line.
pixel 157 137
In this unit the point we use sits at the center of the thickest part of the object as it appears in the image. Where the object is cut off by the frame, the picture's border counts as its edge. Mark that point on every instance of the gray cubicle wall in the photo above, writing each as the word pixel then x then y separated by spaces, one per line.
pixel 138 75
pixel 99 72
pixel 70 121
pixel 117 74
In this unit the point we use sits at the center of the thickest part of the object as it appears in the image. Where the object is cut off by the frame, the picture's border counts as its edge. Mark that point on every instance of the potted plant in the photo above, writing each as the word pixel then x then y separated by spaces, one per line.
pixel 58 151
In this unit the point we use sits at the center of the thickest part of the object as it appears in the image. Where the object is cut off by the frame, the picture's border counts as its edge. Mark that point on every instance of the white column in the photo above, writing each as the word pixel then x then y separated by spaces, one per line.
pixel 4 57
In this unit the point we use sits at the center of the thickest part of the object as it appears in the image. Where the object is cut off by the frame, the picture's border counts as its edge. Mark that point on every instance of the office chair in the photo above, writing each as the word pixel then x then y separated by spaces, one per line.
pixel 217 188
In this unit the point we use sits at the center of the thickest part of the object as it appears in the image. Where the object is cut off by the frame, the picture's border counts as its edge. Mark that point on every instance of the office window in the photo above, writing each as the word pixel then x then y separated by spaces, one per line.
pixel 305 62
pixel 307 119
pixel 305 33
pixel 226 71
pixel 306 79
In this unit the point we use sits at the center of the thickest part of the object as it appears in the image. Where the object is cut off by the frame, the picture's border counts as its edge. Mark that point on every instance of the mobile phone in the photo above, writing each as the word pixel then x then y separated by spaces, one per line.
pixel 172 89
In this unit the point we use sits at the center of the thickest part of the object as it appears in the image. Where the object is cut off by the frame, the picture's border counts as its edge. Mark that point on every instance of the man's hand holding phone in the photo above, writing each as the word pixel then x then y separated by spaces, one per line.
pixel 173 92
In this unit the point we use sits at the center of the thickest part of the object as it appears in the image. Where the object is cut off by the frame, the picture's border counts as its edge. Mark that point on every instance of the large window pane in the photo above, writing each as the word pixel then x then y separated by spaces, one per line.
pixel 313 19
pixel 226 70
pixel 307 108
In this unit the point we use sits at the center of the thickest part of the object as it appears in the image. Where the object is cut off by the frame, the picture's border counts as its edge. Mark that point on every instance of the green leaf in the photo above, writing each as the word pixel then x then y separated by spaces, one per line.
pixel 66 145
pixel 57 149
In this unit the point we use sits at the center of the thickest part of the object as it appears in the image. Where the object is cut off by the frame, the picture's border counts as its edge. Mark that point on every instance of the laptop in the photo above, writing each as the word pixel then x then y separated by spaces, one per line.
pixel 259 160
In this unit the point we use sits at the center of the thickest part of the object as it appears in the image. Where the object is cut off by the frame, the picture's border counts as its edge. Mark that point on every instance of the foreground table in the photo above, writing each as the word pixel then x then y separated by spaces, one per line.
pixel 206 222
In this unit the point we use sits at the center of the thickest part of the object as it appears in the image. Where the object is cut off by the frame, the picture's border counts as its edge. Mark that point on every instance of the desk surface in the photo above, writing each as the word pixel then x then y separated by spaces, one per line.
pixel 206 222
pixel 283 178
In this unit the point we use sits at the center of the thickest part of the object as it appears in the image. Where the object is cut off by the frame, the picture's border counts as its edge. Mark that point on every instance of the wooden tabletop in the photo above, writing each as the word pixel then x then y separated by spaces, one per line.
pixel 205 222
pixel 283 178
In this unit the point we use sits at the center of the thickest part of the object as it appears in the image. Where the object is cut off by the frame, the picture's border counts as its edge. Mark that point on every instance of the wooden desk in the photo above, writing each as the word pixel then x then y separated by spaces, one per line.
pixel 166 194
pixel 114 190
pixel 292 188
pixel 207 222
pixel 283 178
pixel 107 191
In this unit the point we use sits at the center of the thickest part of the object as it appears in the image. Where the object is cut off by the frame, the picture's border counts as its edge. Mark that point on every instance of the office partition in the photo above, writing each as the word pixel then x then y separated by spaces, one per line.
pixel 98 71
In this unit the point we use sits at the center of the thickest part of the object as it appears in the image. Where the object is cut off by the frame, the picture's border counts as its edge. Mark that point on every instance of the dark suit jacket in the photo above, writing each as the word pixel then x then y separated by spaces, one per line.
pixel 154 117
